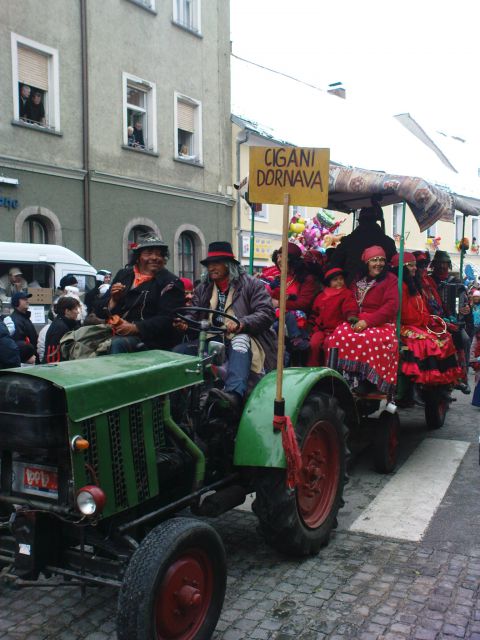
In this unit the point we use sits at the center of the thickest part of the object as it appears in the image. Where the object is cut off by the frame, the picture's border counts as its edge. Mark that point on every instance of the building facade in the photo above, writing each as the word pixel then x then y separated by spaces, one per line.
pixel 115 125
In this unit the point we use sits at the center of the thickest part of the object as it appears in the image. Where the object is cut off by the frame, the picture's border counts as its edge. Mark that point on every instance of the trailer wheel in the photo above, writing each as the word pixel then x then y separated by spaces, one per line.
pixel 385 442
pixel 174 585
pixel 299 521
pixel 436 407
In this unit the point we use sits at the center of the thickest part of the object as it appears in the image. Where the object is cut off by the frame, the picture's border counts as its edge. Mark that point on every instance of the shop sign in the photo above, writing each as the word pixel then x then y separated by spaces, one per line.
pixel 262 247
pixel 8 203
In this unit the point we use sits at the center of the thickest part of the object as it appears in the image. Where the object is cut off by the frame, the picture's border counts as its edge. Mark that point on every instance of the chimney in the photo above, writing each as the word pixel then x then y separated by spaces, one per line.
pixel 337 89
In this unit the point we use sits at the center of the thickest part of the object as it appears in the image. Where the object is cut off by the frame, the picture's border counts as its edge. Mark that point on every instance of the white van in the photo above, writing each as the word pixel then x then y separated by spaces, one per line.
pixel 43 266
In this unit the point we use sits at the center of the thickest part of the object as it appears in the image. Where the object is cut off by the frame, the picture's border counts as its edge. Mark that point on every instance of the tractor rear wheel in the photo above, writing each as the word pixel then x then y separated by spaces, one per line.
pixel 436 407
pixel 299 521
pixel 174 585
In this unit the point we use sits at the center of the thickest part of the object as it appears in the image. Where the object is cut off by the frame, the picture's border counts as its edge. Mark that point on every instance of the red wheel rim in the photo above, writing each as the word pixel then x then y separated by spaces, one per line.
pixel 320 474
pixel 184 596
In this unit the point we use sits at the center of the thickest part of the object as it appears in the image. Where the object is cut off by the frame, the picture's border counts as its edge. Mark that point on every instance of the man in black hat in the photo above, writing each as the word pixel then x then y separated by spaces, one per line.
pixel 142 299
pixel 19 324
pixel 348 254
pixel 251 342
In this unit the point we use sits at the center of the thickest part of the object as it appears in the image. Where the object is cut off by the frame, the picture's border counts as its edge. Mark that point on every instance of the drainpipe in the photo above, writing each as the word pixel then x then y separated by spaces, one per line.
pixel 85 132
pixel 239 142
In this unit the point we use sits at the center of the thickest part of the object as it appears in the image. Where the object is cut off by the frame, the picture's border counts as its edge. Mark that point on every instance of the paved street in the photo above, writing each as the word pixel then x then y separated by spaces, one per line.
pixel 365 586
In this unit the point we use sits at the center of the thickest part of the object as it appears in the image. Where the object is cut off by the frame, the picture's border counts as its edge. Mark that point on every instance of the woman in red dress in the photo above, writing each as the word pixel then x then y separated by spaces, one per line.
pixel 429 355
pixel 368 349
pixel 334 305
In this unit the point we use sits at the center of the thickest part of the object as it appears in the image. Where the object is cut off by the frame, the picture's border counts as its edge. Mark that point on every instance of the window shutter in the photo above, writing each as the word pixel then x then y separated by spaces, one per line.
pixel 186 117
pixel 33 68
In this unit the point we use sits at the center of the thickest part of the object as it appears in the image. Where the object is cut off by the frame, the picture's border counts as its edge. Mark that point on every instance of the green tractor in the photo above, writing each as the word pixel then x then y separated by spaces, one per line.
pixel 100 459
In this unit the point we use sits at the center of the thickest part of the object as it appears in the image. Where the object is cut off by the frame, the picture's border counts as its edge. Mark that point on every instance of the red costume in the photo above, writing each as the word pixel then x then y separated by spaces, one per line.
pixel 330 308
pixel 430 357
pixel 371 354
pixel 300 295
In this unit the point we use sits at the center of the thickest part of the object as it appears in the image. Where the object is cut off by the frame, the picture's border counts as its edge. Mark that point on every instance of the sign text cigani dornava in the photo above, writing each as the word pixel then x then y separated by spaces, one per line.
pixel 301 172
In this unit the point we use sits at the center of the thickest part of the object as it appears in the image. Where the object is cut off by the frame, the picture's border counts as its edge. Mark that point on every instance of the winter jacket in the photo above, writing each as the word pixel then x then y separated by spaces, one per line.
pixel 348 254
pixel 380 304
pixel 9 352
pixel 24 329
pixel 59 327
pixel 332 307
pixel 150 306
pixel 300 295
pixel 252 306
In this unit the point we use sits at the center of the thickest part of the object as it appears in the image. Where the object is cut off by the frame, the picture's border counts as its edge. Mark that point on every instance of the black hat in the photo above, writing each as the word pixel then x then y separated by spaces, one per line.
pixel 441 256
pixel 68 281
pixel 19 295
pixel 219 252
pixel 149 243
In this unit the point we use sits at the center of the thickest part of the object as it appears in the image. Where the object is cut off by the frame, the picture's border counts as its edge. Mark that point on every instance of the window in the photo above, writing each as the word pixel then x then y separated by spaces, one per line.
pixel 187 14
pixel 148 4
pixel 188 129
pixel 186 256
pixel 474 242
pixel 397 220
pixel 458 227
pixel 139 113
pixel 432 231
pixel 261 213
pixel 136 235
pixel 34 231
pixel 35 83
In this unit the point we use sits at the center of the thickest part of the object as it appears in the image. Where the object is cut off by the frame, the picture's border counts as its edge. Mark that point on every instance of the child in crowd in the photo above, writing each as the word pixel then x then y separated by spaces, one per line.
pixel 334 305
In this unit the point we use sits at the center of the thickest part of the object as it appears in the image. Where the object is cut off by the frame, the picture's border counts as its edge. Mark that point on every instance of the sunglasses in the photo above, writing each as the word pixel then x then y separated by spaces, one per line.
pixel 377 259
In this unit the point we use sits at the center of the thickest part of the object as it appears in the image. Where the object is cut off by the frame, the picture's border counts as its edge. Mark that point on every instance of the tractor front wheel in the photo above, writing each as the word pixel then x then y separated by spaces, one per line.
pixel 299 521
pixel 174 585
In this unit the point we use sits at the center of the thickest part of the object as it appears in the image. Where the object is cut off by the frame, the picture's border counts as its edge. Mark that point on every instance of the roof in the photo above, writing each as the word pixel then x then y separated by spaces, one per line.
pixel 20 252
pixel 357 135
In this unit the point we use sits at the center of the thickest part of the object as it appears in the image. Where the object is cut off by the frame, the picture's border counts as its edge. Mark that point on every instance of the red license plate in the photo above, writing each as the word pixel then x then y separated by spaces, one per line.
pixel 40 479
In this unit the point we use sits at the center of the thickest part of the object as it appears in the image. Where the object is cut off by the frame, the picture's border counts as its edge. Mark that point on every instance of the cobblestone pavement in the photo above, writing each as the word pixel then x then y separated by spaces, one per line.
pixel 359 587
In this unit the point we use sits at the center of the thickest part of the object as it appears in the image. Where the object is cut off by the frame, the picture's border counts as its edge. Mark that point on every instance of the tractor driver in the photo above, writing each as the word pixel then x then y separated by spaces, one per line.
pixel 251 344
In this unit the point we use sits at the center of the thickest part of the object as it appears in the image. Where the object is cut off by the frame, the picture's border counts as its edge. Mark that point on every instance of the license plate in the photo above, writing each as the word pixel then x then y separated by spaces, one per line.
pixel 37 480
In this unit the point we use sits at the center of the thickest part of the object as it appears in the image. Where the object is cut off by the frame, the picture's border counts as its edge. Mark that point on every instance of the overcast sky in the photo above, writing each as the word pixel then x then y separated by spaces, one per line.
pixel 416 56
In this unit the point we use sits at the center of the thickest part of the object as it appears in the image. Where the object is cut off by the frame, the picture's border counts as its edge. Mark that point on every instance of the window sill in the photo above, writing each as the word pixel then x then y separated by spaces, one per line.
pixel 145 152
pixel 142 5
pixel 192 163
pixel 36 127
pixel 184 27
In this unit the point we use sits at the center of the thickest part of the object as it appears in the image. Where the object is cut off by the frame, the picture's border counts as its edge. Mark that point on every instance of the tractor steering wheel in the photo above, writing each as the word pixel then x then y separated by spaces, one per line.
pixel 196 324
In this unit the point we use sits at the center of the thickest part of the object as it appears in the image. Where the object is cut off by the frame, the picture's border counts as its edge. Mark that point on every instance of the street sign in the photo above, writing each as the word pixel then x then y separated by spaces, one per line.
pixel 302 172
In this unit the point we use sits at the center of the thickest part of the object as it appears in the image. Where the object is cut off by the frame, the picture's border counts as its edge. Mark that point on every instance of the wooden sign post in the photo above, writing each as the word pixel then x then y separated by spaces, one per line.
pixel 288 176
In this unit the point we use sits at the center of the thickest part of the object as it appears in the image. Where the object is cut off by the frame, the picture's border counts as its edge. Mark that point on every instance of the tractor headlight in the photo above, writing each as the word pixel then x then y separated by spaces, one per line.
pixel 91 500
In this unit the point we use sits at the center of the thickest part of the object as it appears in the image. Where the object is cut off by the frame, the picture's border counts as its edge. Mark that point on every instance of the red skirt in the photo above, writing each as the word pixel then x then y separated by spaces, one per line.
pixel 429 359
pixel 371 354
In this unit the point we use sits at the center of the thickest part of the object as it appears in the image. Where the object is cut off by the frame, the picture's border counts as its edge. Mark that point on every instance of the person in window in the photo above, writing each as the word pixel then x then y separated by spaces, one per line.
pixel 131 138
pixel 142 299
pixel 24 99
pixel 35 109
pixel 67 319
pixel 138 135
pixel 368 348
pixel 250 343
pixel 12 282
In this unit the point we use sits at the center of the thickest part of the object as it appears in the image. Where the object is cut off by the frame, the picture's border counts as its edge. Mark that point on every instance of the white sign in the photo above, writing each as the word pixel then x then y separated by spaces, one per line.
pixel 37 315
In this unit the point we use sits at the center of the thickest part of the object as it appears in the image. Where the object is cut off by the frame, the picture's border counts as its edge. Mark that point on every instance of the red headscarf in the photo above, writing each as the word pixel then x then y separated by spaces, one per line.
pixel 373 252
